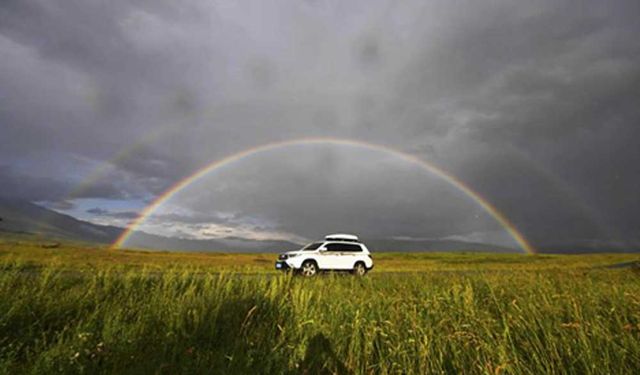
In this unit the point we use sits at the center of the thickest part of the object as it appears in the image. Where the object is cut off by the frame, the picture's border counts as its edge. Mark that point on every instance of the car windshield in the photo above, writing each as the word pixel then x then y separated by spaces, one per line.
pixel 312 246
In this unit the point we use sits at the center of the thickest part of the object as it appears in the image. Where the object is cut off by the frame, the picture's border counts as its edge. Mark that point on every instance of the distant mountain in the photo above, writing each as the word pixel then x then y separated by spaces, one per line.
pixel 589 247
pixel 143 240
pixel 20 216
pixel 399 245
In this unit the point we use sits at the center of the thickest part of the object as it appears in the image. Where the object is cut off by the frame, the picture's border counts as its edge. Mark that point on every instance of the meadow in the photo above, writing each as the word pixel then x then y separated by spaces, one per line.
pixel 74 308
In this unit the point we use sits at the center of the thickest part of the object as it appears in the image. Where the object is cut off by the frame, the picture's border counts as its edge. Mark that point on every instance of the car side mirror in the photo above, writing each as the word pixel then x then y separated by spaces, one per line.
pixel 322 249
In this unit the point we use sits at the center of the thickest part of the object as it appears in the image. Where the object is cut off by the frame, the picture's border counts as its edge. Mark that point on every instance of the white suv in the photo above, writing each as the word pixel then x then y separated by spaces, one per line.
pixel 338 252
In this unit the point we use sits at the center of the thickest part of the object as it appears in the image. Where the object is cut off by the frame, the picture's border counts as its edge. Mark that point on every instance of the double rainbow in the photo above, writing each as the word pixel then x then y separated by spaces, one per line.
pixel 215 165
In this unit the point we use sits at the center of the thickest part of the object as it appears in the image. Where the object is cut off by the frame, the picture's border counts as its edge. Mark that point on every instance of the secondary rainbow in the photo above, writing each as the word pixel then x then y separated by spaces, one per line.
pixel 481 201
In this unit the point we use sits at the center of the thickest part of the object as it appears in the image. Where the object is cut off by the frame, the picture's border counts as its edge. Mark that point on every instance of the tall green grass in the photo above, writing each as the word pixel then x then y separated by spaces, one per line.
pixel 139 321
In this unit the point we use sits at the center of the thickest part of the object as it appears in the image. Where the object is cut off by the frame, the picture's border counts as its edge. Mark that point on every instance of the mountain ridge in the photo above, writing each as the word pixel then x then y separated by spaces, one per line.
pixel 21 216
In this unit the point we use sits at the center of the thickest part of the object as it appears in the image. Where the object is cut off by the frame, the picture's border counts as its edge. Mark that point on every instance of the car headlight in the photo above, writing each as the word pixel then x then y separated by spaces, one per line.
pixel 293 255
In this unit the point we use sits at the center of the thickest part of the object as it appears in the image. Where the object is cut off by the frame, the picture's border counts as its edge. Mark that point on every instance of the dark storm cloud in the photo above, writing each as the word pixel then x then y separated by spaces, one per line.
pixel 97 211
pixel 196 218
pixel 533 104
pixel 18 185
pixel 21 185
pixel 123 215
pixel 115 215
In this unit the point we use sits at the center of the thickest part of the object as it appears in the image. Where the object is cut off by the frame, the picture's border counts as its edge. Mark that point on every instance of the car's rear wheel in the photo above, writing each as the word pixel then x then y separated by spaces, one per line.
pixel 359 269
pixel 309 268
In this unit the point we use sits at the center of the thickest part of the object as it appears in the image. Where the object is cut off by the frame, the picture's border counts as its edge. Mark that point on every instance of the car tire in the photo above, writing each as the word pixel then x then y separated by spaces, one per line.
pixel 359 269
pixel 309 268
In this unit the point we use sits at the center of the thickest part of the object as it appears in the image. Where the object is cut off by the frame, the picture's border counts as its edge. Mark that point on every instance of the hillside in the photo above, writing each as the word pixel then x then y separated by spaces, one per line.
pixel 23 217
pixel 19 216
pixel 395 245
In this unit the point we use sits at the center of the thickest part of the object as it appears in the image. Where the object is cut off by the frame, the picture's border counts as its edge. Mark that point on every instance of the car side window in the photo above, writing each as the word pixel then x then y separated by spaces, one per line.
pixel 352 248
pixel 334 247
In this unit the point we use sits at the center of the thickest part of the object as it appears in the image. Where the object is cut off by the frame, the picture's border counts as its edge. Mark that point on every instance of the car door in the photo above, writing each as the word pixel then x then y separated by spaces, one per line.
pixel 330 257
pixel 349 256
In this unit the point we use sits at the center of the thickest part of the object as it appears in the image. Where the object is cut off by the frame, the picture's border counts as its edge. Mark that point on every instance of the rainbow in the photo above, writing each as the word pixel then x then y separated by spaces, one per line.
pixel 482 202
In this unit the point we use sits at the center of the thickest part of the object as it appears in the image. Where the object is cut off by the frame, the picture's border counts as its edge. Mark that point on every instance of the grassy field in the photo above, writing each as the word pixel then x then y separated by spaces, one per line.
pixel 77 309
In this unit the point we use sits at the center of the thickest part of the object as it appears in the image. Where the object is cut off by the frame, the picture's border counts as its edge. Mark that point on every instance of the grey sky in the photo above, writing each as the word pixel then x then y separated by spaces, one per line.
pixel 534 104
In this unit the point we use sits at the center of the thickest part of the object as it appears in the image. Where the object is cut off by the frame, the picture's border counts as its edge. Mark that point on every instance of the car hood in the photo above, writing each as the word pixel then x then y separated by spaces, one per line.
pixel 295 252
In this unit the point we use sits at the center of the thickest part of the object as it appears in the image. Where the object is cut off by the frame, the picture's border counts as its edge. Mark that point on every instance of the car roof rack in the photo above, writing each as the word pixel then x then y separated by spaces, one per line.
pixel 341 237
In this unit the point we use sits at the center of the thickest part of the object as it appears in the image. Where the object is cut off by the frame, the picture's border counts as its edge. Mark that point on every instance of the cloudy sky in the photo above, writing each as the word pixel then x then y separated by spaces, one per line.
pixel 535 105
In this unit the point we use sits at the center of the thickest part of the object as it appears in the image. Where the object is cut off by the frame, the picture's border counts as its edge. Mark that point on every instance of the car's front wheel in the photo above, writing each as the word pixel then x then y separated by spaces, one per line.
pixel 359 269
pixel 309 268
